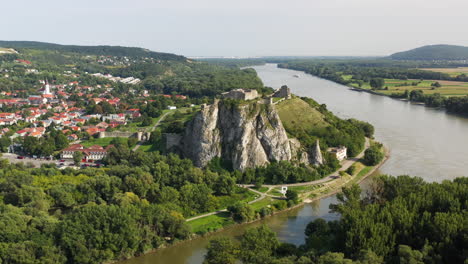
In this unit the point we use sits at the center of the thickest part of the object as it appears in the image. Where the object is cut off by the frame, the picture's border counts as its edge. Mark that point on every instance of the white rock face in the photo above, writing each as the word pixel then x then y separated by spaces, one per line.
pixel 248 135
pixel 317 158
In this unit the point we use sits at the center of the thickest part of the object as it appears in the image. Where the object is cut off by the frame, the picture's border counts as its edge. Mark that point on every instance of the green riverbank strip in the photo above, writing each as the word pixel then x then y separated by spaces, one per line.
pixel 307 193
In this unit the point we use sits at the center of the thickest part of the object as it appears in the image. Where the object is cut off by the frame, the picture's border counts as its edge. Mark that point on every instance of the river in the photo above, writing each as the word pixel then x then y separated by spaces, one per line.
pixel 423 142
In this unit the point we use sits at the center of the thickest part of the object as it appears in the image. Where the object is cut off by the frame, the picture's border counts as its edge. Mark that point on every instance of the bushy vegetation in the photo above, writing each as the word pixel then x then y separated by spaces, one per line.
pixel 400 220
pixel 373 155
pixel 95 215
pixel 333 132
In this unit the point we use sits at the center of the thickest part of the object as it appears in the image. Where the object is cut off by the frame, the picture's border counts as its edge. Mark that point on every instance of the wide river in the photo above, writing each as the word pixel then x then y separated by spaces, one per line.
pixel 423 142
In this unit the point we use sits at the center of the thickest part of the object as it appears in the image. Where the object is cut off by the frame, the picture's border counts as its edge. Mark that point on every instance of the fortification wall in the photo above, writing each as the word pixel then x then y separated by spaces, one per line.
pixel 141 136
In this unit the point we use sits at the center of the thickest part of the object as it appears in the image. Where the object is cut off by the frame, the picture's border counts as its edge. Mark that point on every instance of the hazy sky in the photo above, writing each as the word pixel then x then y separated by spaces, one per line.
pixel 241 27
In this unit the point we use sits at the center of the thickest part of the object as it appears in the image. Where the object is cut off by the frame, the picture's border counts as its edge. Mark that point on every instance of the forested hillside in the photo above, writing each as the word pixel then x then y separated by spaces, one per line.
pixel 433 52
pixel 96 50
pixel 93 215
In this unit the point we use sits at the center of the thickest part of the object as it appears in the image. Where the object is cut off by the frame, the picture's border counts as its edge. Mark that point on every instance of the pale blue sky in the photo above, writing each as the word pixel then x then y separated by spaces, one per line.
pixel 241 27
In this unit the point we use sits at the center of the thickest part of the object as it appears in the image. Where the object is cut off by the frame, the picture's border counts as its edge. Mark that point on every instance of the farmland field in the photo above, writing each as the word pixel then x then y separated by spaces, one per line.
pixel 453 72
pixel 448 88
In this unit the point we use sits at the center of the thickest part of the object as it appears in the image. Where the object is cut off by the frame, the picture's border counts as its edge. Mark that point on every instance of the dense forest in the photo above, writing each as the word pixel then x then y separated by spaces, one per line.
pixel 96 215
pixel 138 202
pixel 96 50
pixel 399 220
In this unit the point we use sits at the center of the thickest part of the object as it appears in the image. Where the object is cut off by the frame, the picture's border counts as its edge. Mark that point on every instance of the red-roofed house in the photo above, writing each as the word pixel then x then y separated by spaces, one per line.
pixel 92 153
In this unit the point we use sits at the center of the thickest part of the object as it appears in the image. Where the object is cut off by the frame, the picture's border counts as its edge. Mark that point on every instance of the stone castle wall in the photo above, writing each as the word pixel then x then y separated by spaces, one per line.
pixel 141 136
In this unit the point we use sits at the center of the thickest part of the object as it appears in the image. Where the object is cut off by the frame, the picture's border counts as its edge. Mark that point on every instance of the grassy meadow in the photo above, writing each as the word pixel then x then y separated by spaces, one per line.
pixel 295 113
pixel 103 142
pixel 453 72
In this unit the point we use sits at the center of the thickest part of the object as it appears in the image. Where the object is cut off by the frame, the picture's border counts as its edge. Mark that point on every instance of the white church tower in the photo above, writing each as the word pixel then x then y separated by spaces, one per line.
pixel 46 88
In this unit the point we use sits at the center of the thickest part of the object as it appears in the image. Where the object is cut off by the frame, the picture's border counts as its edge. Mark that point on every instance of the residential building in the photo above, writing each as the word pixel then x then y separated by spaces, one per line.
pixel 339 152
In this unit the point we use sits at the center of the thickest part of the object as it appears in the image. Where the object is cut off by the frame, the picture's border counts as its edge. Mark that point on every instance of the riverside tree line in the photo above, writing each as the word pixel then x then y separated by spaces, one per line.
pixel 400 220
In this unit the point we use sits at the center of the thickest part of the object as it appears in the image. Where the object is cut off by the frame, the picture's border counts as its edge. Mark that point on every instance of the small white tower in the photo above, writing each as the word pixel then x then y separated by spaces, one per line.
pixel 46 88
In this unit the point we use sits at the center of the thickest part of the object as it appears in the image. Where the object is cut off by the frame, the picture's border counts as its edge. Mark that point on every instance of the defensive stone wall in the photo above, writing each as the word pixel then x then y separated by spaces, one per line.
pixel 141 136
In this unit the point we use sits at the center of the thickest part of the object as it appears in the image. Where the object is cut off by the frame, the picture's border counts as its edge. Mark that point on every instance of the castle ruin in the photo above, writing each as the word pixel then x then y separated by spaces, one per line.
pixel 241 94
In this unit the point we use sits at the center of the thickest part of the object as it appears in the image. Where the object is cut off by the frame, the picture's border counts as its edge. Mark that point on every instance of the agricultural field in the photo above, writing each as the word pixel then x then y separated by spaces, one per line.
pixel 453 72
pixel 448 88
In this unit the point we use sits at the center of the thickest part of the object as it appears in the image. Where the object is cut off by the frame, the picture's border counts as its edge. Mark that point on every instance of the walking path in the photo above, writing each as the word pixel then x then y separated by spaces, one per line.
pixel 262 195
pixel 344 166
pixel 151 130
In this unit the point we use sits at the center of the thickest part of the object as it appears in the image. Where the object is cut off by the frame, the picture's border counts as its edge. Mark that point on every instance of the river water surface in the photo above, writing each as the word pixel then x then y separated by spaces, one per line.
pixel 423 142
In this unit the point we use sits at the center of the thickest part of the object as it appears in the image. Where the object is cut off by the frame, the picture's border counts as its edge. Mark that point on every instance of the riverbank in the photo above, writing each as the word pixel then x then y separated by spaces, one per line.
pixel 333 185
pixel 357 178
pixel 448 97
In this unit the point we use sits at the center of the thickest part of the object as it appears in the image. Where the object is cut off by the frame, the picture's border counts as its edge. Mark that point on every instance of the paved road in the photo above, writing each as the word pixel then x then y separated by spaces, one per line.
pixel 13 158
pixel 344 166
pixel 151 130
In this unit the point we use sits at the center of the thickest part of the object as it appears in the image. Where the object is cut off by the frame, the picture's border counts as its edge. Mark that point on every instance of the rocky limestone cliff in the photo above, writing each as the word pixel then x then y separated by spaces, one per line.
pixel 316 158
pixel 248 135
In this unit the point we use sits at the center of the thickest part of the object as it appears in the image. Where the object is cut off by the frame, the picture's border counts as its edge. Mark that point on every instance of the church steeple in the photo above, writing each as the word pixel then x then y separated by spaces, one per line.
pixel 46 87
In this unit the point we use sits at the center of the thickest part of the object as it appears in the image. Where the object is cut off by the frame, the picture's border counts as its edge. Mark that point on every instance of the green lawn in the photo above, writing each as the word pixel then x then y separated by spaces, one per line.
pixel 262 203
pixel 148 148
pixel 262 189
pixel 296 114
pixel 136 126
pixel 102 141
pixel 364 171
pixel 211 223
pixel 275 191
pixel 241 195
pixel 306 188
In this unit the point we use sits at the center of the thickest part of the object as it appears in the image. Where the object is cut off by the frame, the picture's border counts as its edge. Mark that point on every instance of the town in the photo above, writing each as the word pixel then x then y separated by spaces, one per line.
pixel 71 114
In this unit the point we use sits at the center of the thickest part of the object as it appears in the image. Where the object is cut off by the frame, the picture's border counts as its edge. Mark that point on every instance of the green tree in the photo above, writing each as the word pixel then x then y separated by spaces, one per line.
pixel 77 157
pixel 258 245
pixel 373 155
pixel 409 256
pixel 377 83
pixel 292 195
pixel 221 250
pixel 242 212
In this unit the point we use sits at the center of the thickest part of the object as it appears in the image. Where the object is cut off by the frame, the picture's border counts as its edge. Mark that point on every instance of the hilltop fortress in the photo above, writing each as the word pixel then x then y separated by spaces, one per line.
pixel 241 94
pixel 248 135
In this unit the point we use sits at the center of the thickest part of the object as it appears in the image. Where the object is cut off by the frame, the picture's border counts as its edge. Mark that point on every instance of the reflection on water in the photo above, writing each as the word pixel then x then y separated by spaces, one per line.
pixel 423 142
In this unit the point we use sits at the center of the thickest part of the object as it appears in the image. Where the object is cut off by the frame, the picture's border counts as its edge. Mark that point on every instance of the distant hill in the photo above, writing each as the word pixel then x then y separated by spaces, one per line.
pixel 94 50
pixel 433 52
